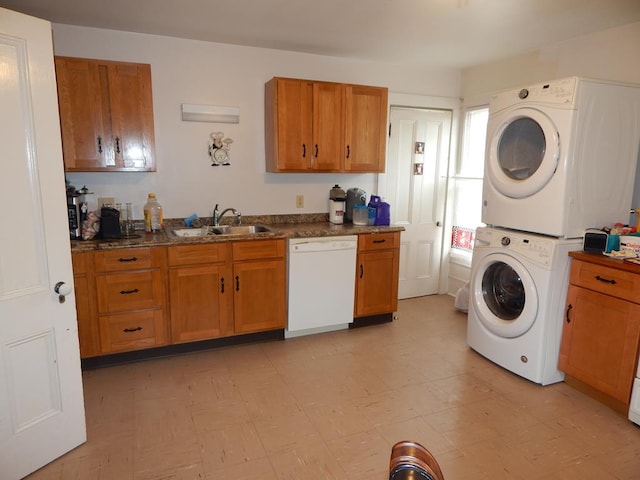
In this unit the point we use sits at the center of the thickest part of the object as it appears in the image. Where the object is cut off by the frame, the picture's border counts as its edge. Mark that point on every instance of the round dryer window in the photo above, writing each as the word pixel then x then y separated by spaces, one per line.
pixel 504 295
pixel 524 152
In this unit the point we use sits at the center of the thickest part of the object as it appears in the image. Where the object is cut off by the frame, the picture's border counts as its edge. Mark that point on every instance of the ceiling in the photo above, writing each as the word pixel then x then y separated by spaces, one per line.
pixel 438 33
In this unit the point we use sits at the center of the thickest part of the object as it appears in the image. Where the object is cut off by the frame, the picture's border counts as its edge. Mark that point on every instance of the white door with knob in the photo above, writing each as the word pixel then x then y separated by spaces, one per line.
pixel 415 185
pixel 41 401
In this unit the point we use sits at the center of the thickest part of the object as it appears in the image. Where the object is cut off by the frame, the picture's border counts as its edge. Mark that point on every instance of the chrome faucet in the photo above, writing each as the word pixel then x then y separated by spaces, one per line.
pixel 217 215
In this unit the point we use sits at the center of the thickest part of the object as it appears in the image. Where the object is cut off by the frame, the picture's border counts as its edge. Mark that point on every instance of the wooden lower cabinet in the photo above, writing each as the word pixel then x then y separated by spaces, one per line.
pixel 86 312
pixel 200 292
pixel 259 294
pixel 224 289
pixel 130 292
pixel 601 330
pixel 377 272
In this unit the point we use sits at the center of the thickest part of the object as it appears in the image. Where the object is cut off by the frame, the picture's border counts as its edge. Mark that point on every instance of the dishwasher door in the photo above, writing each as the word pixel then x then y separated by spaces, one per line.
pixel 321 284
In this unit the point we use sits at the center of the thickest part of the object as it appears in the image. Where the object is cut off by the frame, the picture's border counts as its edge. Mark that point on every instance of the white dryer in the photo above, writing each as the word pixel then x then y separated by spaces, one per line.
pixel 561 156
pixel 517 295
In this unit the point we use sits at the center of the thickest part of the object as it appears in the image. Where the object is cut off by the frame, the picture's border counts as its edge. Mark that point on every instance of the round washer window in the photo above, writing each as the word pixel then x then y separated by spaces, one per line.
pixel 521 148
pixel 503 291
pixel 503 295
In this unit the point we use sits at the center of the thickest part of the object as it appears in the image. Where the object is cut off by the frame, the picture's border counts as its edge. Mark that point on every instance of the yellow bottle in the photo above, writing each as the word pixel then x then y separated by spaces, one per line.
pixel 153 219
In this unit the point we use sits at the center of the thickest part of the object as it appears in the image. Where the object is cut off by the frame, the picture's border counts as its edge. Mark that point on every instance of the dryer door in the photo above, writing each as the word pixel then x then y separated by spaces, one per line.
pixel 504 295
pixel 523 152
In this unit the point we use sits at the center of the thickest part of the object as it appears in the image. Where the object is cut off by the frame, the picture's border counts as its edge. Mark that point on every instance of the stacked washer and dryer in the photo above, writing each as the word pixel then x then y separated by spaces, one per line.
pixel 560 158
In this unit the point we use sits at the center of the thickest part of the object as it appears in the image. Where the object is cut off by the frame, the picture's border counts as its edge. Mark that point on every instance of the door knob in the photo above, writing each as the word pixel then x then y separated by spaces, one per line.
pixel 62 289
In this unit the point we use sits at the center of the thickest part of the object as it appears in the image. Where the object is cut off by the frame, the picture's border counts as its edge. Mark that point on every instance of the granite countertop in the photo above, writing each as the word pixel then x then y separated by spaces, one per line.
pixel 280 226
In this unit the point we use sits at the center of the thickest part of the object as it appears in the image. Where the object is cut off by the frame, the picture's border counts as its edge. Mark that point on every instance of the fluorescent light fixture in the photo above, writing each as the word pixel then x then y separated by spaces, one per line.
pixel 210 113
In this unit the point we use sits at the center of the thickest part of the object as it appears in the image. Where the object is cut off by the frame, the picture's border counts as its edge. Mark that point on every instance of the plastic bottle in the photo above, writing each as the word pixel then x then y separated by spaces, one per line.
pixel 153 219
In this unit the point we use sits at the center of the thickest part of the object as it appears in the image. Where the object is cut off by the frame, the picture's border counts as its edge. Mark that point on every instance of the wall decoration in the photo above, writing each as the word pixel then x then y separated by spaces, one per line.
pixel 219 149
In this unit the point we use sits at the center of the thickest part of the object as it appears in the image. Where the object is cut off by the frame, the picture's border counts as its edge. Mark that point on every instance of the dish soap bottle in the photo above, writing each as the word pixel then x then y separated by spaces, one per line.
pixel 152 214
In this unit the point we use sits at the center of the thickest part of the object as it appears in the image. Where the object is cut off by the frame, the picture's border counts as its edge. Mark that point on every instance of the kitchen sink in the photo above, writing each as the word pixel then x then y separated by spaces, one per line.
pixel 220 230
pixel 192 232
pixel 239 229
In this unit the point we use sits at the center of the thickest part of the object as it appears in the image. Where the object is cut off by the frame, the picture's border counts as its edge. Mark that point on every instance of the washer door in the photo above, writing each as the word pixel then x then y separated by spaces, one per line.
pixel 523 153
pixel 504 295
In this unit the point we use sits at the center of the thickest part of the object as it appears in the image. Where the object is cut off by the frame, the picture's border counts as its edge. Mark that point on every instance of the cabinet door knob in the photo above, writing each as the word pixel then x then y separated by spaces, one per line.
pixel 237 283
pixel 221 284
pixel 99 144
pixel 304 150
pixel 569 307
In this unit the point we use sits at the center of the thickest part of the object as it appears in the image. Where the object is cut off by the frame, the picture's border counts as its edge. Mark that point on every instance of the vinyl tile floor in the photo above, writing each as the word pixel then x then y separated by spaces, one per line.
pixel 330 406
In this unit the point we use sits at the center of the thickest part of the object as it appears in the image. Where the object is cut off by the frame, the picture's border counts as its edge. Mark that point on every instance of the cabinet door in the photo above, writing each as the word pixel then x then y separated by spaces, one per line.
pixel 600 341
pixel 288 132
pixel 377 282
pixel 259 295
pixel 201 302
pixel 328 126
pixel 88 329
pixel 132 116
pixel 83 97
pixel 365 128
pixel 106 115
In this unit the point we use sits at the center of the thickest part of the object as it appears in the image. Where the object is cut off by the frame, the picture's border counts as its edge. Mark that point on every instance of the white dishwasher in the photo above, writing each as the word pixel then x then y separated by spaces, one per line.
pixel 321 284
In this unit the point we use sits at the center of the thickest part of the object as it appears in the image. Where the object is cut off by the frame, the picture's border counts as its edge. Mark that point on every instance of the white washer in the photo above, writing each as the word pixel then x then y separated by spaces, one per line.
pixel 561 156
pixel 517 295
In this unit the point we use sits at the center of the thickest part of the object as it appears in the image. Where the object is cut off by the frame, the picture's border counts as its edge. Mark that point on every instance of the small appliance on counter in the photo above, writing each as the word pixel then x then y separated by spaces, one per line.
pixel 76 211
pixel 355 196
pixel 109 223
pixel 383 210
pixel 337 200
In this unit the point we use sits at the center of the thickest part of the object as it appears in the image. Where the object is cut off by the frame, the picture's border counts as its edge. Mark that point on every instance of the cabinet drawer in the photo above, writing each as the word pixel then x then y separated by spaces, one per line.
pixel 129 291
pixel 256 249
pixel 123 259
pixel 199 254
pixel 131 331
pixel 610 281
pixel 378 241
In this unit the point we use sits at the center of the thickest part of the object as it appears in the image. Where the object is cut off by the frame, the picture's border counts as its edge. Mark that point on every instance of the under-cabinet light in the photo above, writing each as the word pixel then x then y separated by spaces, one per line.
pixel 210 113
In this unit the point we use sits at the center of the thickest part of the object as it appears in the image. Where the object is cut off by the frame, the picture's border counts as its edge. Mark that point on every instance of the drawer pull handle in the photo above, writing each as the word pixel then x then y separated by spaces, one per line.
pixel 569 307
pixel 130 259
pixel 379 241
pixel 127 292
pixel 605 280
pixel 129 330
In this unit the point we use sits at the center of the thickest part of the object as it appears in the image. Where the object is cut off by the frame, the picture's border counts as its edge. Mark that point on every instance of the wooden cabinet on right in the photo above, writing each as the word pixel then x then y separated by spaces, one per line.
pixel 601 330
pixel 106 115
pixel 377 271
pixel 313 126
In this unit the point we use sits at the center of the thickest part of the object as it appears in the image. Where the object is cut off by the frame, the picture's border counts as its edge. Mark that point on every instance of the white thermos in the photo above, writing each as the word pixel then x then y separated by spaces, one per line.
pixel 337 200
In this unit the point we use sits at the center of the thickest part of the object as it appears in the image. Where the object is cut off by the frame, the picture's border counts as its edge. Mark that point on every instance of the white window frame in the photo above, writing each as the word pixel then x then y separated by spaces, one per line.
pixel 465 172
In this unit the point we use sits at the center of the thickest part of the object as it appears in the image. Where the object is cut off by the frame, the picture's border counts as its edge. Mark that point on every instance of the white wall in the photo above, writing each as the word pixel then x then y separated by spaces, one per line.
pixel 611 54
pixel 185 71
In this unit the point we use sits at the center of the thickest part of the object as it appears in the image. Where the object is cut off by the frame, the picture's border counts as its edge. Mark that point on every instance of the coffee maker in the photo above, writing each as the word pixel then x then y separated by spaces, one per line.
pixel 77 213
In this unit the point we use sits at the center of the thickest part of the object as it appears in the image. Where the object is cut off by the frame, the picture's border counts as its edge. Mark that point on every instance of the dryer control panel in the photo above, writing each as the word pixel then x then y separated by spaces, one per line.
pixel 557 92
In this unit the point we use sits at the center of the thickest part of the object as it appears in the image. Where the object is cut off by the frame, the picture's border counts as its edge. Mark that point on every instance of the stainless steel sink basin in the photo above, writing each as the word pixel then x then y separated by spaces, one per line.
pixel 239 229
pixel 220 230
pixel 192 232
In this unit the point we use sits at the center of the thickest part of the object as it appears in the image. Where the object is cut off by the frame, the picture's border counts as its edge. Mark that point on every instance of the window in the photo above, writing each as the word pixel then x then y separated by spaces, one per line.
pixel 467 191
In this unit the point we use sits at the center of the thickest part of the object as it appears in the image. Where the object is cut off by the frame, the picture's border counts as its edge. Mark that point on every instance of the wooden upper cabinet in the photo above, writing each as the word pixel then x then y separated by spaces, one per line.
pixel 365 128
pixel 106 115
pixel 313 126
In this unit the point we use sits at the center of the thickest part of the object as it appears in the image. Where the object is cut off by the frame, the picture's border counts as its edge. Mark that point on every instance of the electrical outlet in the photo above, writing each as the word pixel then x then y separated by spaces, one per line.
pixel 299 201
pixel 102 201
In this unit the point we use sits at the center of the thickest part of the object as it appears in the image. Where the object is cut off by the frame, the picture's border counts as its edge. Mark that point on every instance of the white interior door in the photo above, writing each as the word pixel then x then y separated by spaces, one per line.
pixel 415 186
pixel 41 401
